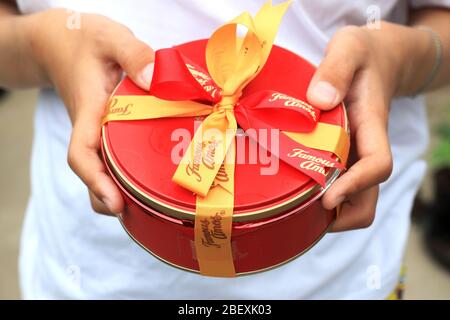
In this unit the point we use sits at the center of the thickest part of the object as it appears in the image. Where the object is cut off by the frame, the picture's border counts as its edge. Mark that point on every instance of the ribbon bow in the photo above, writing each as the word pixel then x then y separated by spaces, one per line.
pixel 181 88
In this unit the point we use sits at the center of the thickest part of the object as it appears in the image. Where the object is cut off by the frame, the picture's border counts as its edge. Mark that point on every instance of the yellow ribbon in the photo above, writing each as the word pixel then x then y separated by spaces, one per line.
pixel 232 64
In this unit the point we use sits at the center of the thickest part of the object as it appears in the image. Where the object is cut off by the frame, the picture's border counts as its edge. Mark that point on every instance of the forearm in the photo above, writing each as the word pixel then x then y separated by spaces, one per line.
pixel 18 67
pixel 419 51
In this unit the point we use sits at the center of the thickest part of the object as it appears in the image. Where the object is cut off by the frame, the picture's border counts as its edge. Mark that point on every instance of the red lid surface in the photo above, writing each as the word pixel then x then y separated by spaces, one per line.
pixel 141 150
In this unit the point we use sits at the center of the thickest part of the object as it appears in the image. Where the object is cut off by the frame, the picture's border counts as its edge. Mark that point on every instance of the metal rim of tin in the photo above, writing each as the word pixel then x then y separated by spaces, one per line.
pixel 237 274
pixel 310 194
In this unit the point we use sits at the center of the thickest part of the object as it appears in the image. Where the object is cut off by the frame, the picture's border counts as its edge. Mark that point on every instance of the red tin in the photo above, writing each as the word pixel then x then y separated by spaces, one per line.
pixel 276 217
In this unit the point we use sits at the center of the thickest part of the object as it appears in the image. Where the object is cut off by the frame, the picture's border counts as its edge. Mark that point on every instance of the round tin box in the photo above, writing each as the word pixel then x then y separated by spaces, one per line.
pixel 276 217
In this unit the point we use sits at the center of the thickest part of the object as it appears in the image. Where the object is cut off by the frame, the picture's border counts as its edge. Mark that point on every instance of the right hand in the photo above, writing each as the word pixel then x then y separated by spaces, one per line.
pixel 85 65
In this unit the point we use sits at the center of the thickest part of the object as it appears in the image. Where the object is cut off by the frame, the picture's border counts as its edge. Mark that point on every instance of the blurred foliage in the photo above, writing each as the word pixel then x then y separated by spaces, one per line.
pixel 441 153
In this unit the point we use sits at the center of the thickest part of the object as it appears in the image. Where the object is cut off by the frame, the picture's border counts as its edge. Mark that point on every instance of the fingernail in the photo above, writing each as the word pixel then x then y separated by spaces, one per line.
pixel 325 94
pixel 146 75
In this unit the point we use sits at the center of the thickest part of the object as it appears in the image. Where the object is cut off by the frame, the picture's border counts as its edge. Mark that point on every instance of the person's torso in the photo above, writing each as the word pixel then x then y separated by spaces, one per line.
pixel 84 255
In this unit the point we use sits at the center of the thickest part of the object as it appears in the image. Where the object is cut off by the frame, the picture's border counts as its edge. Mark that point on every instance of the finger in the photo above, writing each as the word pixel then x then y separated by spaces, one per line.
pixel 85 161
pixel 134 56
pixel 358 211
pixel 83 155
pixel 374 166
pixel 331 81
pixel 99 206
pixel 368 123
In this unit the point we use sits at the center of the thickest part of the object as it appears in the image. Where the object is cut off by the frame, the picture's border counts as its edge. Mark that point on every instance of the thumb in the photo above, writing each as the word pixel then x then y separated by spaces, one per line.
pixel 137 60
pixel 333 78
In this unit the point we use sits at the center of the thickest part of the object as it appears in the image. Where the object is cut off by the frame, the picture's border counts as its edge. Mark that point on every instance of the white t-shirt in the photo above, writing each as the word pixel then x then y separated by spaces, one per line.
pixel 68 251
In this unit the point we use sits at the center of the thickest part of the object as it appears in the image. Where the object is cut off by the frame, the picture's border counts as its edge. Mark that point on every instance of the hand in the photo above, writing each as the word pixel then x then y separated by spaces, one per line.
pixel 360 67
pixel 85 65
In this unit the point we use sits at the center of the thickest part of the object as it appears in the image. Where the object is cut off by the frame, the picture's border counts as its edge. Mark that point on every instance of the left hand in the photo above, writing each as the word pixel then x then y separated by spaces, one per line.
pixel 360 67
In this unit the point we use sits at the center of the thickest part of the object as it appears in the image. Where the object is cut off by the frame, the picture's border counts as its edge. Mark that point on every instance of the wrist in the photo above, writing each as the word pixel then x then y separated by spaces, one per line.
pixel 394 56
pixel 41 30
pixel 411 55
pixel 18 69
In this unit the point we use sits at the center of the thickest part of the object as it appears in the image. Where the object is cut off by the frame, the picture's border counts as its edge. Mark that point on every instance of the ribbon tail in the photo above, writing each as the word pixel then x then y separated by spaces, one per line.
pixel 293 152
pixel 213 226
pixel 308 161
pixel 225 176
pixel 206 153
pixel 326 137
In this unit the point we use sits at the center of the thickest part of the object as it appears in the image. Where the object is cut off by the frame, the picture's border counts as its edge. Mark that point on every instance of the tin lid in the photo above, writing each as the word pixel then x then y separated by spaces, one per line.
pixel 139 153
